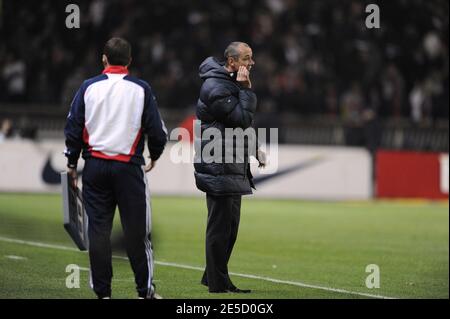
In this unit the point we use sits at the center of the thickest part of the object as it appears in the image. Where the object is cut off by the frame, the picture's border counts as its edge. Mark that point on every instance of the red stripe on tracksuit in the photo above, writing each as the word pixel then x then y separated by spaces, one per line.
pixel 120 157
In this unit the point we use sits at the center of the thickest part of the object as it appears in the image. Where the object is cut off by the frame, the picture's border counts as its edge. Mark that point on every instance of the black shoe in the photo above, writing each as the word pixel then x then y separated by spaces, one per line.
pixel 236 290
pixel 153 296
pixel 220 291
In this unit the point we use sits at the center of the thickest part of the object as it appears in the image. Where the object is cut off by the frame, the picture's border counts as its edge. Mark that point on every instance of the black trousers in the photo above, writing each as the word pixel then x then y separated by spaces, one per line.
pixel 107 184
pixel 221 232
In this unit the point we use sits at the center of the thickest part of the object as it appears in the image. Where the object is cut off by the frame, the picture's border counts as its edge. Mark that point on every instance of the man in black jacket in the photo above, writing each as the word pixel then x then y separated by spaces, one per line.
pixel 226 102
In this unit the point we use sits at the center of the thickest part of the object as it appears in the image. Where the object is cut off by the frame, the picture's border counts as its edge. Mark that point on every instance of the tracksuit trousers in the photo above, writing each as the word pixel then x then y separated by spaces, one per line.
pixel 221 233
pixel 107 184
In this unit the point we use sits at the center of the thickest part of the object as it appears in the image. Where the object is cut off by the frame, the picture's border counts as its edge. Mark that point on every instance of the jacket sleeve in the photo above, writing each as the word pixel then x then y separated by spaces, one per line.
pixel 233 111
pixel 73 130
pixel 153 125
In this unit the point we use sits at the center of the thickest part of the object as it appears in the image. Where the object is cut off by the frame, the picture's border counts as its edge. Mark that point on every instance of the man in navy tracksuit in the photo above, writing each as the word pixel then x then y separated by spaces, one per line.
pixel 109 118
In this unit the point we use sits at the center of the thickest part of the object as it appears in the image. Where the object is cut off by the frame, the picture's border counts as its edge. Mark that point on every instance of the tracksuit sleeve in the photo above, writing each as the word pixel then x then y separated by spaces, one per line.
pixel 73 130
pixel 153 126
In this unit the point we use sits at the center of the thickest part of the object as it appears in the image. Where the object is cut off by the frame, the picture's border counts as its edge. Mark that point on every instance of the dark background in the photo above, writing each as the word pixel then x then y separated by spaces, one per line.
pixel 318 67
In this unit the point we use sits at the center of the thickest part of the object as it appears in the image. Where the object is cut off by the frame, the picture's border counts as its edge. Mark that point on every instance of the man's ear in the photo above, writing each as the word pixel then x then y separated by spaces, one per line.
pixel 230 61
pixel 104 60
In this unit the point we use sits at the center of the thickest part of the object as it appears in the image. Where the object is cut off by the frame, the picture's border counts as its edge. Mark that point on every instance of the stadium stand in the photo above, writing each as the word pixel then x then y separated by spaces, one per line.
pixel 321 76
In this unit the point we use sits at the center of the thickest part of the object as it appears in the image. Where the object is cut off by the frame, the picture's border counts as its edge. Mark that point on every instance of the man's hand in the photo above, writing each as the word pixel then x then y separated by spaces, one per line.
pixel 150 166
pixel 73 174
pixel 261 159
pixel 243 77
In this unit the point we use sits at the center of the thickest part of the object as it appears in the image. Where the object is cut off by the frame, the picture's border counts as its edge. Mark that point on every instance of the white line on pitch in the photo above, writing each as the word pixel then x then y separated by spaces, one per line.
pixel 14 257
pixel 83 268
pixel 278 281
pixel 169 264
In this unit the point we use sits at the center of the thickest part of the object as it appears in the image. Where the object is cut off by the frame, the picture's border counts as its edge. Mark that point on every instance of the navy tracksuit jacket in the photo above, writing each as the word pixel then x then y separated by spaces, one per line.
pixel 109 118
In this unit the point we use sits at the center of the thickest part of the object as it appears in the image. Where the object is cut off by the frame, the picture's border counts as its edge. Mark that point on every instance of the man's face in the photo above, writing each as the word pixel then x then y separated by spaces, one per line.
pixel 245 58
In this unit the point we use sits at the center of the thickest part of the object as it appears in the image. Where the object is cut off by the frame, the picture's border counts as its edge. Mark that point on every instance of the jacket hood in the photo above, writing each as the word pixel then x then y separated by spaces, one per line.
pixel 212 68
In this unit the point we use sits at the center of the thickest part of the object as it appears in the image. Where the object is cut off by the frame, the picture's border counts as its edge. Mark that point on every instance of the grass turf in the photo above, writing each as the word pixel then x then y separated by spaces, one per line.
pixel 327 244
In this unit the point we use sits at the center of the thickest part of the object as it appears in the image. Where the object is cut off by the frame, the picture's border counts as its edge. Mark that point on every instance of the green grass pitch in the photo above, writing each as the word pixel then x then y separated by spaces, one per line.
pixel 285 249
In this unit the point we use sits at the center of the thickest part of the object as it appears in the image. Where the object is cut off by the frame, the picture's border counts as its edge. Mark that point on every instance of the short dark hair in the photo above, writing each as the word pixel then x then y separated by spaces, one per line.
pixel 118 51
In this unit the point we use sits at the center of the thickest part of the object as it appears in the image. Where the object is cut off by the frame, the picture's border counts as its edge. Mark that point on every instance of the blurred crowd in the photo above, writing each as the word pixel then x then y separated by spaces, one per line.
pixel 312 56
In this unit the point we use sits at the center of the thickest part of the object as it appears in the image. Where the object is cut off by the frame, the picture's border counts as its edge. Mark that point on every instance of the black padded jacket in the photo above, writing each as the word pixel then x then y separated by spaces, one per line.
pixel 224 103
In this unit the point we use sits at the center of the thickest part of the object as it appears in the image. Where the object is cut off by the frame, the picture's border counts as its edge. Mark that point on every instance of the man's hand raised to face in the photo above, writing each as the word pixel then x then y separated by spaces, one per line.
pixel 243 77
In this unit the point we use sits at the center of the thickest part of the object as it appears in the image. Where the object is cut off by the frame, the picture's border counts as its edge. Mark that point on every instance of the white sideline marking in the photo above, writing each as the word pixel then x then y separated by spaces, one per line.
pixel 278 281
pixel 14 257
pixel 169 264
